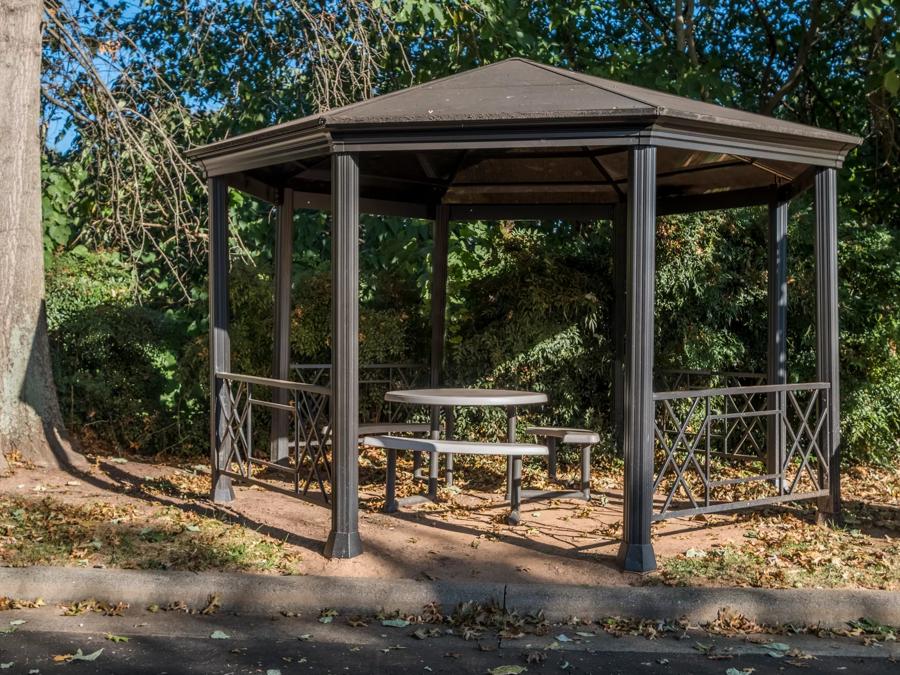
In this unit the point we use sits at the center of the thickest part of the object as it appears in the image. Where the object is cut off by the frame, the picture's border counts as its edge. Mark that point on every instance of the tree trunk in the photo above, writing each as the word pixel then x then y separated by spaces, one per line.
pixel 30 420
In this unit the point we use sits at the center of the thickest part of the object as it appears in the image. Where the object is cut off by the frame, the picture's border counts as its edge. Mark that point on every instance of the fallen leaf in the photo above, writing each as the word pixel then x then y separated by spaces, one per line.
pixel 116 638
pixel 78 656
pixel 327 615
pixel 777 650
pixel 423 633
pixel 507 670
pixel 535 657
pixel 219 635
pixel 395 623
pixel 212 605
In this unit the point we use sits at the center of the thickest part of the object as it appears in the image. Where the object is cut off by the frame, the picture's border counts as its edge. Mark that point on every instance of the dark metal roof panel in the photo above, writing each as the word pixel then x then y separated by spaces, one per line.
pixel 521 91
pixel 509 90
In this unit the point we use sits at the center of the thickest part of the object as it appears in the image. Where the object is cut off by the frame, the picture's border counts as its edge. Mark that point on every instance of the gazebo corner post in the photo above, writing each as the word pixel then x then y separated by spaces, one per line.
pixel 776 366
pixel 827 356
pixel 344 540
pixel 219 340
pixel 619 255
pixel 439 256
pixel 636 551
pixel 281 359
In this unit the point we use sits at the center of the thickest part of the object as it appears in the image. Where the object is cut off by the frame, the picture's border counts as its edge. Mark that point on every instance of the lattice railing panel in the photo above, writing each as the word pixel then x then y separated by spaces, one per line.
pixel 711 447
pixel 250 403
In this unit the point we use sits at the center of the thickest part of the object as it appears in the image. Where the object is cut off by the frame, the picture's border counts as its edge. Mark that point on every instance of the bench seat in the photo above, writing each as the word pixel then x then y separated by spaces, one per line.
pixel 570 436
pixel 566 434
pixel 455 447
pixel 514 451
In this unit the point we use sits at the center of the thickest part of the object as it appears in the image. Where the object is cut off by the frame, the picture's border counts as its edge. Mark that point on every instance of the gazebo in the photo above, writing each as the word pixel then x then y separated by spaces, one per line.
pixel 522 140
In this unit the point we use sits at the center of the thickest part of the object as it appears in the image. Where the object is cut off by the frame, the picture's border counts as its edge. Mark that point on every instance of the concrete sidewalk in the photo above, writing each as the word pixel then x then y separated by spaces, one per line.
pixel 261 594
pixel 138 641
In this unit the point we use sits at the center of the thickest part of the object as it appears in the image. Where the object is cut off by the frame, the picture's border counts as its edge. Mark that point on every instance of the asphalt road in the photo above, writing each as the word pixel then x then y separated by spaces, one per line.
pixel 175 642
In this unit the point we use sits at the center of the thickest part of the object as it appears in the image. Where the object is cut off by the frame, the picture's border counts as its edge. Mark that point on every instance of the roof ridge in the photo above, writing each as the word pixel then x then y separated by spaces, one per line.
pixel 583 78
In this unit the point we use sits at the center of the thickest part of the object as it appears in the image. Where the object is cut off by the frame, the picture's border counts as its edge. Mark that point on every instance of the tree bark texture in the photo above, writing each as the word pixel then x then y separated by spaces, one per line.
pixel 30 419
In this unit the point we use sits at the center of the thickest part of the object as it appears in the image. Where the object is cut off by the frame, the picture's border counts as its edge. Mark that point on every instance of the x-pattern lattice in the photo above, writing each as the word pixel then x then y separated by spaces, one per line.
pixel 804 425
pixel 687 442
pixel 312 437
pixel 236 443
pixel 747 428
pixel 309 427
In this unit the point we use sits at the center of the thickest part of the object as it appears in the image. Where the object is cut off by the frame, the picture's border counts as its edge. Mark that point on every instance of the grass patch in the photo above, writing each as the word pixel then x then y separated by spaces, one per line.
pixel 51 532
pixel 787 551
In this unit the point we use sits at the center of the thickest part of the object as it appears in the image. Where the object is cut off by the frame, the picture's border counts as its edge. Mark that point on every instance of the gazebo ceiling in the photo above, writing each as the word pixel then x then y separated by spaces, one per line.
pixel 519 132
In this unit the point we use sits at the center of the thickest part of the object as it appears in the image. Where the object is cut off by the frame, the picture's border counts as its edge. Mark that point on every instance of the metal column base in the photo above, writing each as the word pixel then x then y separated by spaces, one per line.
pixel 637 557
pixel 343 545
pixel 222 491
pixel 826 515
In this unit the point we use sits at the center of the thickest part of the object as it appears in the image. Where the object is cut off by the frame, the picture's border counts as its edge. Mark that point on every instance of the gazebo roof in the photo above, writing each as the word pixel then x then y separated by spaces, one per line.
pixel 519 132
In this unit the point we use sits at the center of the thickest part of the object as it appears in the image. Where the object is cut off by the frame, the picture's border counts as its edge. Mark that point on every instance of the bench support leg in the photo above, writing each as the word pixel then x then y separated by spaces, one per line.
pixel 433 476
pixel 515 490
pixel 586 472
pixel 448 469
pixel 390 496
pixel 511 438
pixel 417 465
pixel 551 457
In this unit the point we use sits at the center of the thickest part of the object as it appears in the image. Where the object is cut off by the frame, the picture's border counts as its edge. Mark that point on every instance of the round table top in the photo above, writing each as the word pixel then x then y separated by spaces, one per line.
pixel 465 397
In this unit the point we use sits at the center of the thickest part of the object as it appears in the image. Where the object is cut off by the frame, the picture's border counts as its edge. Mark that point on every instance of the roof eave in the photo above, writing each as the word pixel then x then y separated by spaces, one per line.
pixel 319 137
pixel 263 150
pixel 824 149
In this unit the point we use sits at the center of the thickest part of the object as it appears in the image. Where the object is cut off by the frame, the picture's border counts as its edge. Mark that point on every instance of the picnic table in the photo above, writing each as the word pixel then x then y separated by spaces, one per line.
pixel 449 398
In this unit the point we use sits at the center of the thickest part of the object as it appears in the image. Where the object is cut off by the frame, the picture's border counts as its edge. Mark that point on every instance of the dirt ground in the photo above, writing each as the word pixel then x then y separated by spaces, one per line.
pixel 463 537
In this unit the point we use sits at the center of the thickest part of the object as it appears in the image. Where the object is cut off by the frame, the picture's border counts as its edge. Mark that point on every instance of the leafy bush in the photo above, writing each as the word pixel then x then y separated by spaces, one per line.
pixel 114 359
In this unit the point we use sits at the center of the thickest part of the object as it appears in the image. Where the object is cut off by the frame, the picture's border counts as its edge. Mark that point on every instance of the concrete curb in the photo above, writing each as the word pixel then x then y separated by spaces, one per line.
pixel 256 594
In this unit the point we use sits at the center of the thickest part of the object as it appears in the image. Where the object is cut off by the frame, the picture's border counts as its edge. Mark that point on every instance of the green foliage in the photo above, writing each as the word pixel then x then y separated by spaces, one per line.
pixel 114 359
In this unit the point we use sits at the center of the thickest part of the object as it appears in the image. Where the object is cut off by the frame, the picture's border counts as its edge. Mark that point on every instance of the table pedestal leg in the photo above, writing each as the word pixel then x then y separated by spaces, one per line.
pixel 451 433
pixel 510 437
pixel 515 490
pixel 390 498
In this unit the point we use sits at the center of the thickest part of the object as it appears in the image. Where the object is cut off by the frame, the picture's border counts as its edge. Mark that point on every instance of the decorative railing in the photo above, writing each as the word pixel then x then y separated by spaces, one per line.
pixel 712 447
pixel 679 379
pixel 248 407
pixel 374 381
